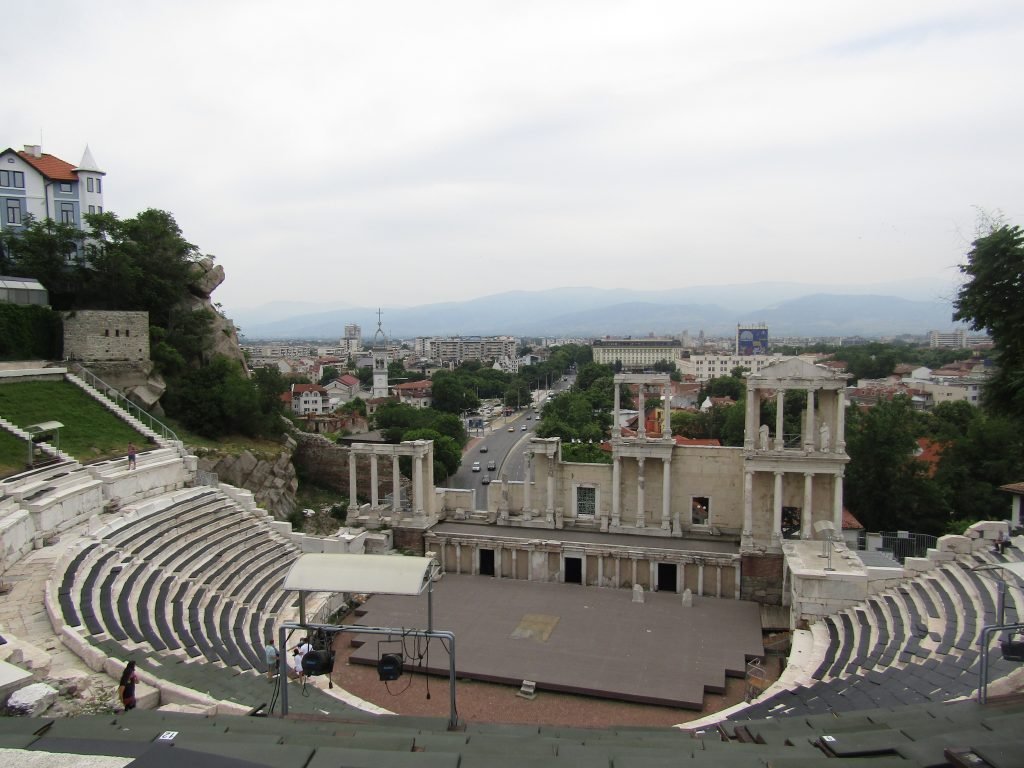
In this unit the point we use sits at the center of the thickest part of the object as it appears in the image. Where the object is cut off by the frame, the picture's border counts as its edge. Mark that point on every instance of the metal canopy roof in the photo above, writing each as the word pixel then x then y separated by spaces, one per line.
pixel 376 574
pixel 1016 568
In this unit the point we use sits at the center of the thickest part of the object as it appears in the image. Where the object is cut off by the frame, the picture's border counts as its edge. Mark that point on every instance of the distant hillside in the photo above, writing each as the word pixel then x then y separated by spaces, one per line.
pixel 597 312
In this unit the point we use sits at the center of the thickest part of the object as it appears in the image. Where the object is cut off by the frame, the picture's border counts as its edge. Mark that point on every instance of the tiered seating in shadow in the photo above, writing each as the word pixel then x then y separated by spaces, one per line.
pixel 907 737
pixel 190 588
pixel 916 644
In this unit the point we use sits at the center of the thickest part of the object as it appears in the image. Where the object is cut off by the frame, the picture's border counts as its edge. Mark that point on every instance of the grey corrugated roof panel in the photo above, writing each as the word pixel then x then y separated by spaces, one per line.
pixel 370 574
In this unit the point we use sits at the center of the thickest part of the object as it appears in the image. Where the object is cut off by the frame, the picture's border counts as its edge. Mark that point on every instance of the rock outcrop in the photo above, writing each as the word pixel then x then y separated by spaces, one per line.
pixel 271 478
pixel 204 279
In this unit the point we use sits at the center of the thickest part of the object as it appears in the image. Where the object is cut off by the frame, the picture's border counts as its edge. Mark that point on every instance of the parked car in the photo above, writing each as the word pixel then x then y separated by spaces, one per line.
pixel 523 428
pixel 511 429
pixel 476 466
pixel 483 449
pixel 491 466
pixel 485 480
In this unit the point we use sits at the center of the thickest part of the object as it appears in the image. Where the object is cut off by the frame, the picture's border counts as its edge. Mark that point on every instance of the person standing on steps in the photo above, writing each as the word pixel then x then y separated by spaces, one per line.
pixel 272 658
pixel 131 455
pixel 126 688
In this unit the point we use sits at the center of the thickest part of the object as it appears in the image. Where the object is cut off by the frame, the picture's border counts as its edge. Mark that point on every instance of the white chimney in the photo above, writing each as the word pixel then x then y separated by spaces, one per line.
pixel 36 150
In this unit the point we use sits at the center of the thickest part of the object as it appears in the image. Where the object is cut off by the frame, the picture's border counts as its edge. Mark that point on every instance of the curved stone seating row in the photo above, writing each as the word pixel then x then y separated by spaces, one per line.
pixel 913 644
pixel 191 574
pixel 906 737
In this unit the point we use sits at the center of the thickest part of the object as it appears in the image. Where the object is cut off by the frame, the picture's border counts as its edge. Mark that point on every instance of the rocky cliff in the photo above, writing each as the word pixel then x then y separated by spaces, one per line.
pixel 271 478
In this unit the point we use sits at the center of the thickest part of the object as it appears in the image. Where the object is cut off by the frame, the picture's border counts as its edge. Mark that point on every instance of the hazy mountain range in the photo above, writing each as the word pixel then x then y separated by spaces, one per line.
pixel 789 309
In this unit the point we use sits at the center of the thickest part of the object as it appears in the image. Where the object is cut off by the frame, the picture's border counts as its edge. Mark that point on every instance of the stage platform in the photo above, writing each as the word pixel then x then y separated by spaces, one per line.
pixel 566 637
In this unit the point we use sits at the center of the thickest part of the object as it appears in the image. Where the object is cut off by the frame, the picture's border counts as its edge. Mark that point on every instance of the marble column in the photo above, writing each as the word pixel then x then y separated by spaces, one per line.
pixel 641 425
pixel 747 537
pixel 374 482
pixel 739 578
pixel 497 560
pixel 549 501
pixel 615 413
pixel 666 495
pixel 777 510
pixel 458 558
pixel 807 513
pixel 751 417
pixel 515 562
pixel 700 579
pixel 837 503
pixel 640 522
pixel 417 485
pixel 618 572
pixel 616 486
pixel 840 441
pixel 561 567
pixel 396 485
pixel 666 412
pixel 600 570
pixel 528 472
pixel 808 437
pixel 780 424
pixel 353 503
pixel 718 581
pixel 633 559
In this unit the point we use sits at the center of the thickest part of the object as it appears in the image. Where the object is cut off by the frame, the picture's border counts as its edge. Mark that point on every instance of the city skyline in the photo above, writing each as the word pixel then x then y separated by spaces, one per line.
pixel 407 155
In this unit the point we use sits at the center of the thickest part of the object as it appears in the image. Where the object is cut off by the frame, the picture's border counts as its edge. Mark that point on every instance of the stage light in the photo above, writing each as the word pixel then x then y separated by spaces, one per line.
pixel 1013 650
pixel 389 666
pixel 318 663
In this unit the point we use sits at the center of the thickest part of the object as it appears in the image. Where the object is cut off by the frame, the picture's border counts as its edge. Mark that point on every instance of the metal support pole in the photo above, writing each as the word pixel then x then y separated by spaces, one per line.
pixel 986 633
pixel 443 635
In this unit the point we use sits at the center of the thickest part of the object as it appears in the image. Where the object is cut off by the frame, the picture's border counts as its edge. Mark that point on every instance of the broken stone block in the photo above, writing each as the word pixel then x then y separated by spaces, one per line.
pixel 32 700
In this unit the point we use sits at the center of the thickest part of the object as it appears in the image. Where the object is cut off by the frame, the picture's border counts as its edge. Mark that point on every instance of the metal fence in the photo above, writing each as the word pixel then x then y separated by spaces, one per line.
pixel 900 544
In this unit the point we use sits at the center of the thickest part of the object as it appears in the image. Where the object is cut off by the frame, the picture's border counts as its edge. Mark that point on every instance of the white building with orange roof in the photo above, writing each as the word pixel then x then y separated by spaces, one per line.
pixel 34 183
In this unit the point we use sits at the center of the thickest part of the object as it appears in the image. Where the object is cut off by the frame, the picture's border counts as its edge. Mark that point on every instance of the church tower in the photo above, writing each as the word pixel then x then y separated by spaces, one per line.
pixel 380 361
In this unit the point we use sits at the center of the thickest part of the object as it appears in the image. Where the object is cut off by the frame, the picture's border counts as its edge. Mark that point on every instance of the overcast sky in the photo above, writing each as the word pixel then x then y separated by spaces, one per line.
pixel 400 153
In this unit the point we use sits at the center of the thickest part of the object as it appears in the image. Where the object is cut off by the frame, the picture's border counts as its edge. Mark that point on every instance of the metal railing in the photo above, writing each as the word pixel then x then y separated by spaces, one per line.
pixel 900 544
pixel 123 402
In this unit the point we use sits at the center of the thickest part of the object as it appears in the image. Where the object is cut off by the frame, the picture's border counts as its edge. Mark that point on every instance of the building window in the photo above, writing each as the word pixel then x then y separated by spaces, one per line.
pixel 92 209
pixel 586 501
pixel 65 186
pixel 14 211
pixel 99 186
pixel 15 179
pixel 67 213
pixel 88 183
pixel 700 510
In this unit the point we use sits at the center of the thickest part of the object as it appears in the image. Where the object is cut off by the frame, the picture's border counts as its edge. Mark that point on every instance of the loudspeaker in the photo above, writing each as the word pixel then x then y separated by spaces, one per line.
pixel 390 666
pixel 318 663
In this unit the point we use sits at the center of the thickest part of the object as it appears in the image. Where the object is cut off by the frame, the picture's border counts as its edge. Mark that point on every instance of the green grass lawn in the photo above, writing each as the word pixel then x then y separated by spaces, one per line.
pixel 90 432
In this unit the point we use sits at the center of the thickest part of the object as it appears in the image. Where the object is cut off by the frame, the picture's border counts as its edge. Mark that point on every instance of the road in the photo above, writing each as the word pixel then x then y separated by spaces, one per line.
pixel 503 448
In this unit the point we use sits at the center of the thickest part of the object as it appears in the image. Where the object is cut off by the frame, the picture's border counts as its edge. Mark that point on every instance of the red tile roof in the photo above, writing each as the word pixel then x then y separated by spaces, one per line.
pixel 851 523
pixel 349 380
pixel 51 167
pixel 681 440
pixel 929 453
pixel 298 389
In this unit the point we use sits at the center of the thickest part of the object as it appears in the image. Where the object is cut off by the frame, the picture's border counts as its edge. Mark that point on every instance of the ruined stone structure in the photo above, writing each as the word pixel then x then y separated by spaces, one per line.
pixel 93 336
pixel 663 515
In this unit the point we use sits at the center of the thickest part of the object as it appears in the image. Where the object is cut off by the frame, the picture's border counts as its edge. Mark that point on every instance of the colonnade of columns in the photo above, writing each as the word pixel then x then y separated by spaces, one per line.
pixel 633 563
pixel 816 431
pixel 419 454
pixel 806 519
pixel 641 486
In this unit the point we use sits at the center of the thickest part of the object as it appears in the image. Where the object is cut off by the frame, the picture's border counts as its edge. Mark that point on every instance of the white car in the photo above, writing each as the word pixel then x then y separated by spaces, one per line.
pixel 523 428
pixel 476 466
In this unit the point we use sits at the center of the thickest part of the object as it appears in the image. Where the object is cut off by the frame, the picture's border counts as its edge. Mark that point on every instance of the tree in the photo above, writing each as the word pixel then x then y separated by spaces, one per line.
pixel 330 374
pixel 991 300
pixel 886 487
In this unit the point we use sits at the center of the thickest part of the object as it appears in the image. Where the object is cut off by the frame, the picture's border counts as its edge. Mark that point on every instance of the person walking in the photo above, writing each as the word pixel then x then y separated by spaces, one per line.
pixel 272 658
pixel 126 688
pixel 131 455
